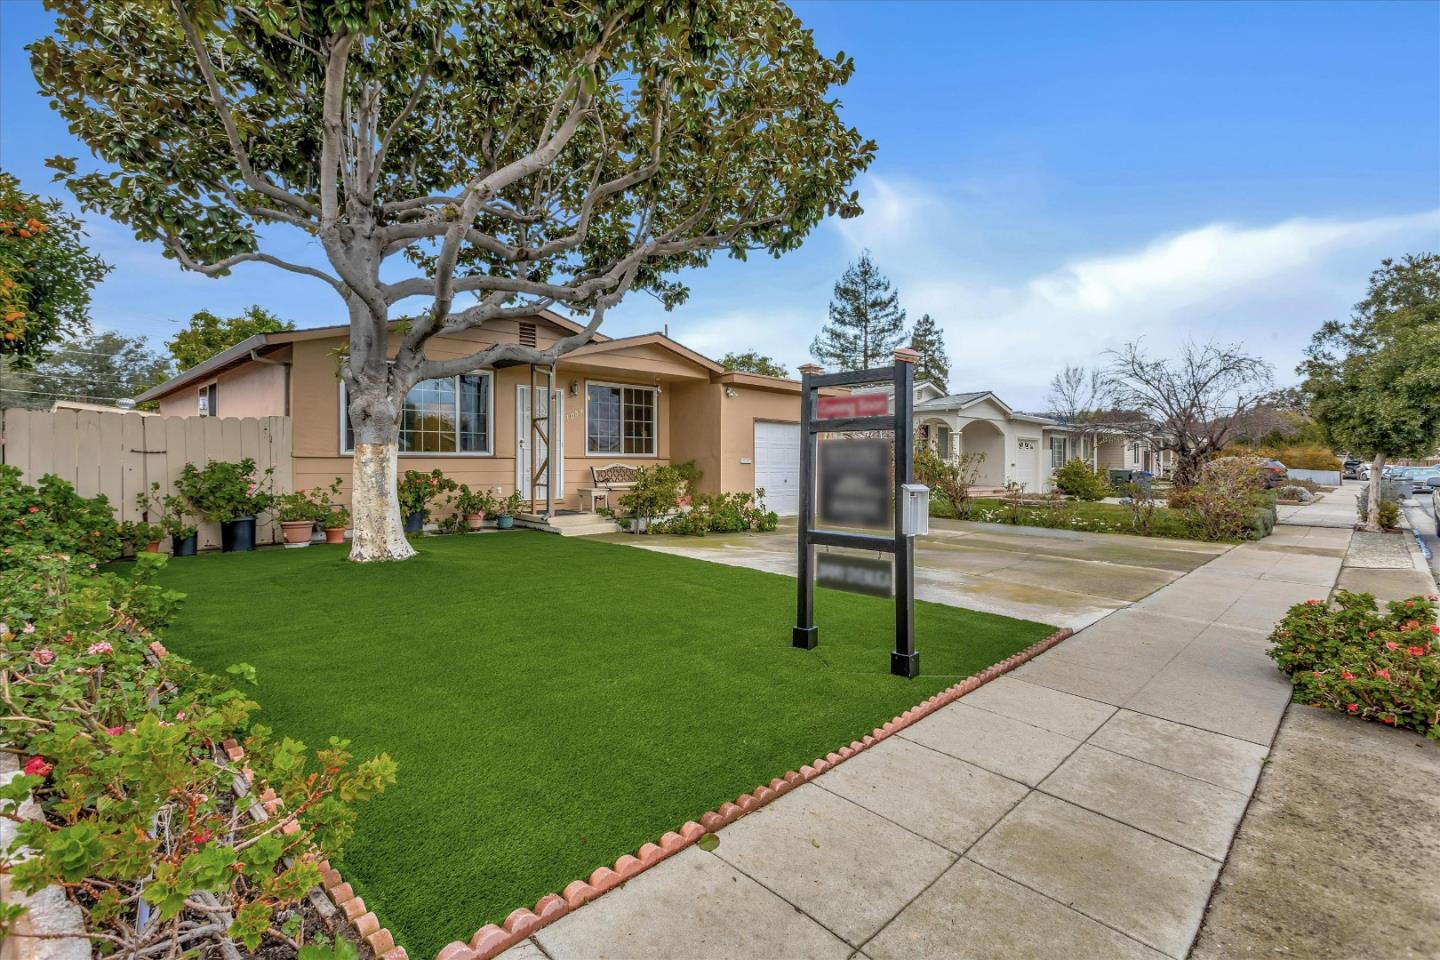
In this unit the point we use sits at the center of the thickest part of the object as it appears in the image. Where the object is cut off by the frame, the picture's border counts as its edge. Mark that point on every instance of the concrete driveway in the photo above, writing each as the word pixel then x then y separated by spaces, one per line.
pixel 1061 577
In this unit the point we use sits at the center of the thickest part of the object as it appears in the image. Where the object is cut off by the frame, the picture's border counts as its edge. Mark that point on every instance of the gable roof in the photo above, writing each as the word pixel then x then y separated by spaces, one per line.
pixel 959 401
pixel 645 339
pixel 240 353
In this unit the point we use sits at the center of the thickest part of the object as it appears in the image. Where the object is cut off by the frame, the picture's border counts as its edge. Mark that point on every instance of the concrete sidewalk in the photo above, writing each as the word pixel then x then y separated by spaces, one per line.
pixel 1081 806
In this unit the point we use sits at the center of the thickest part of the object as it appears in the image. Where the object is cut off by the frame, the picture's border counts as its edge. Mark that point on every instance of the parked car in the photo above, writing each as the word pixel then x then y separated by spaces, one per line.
pixel 1420 479
pixel 1435 508
pixel 1276 472
pixel 1350 470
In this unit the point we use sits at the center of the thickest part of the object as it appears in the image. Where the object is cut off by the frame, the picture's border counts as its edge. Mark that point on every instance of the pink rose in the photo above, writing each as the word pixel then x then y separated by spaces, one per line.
pixel 37 767
pixel 158 648
pixel 102 647
pixel 43 657
pixel 28 628
pixel 114 731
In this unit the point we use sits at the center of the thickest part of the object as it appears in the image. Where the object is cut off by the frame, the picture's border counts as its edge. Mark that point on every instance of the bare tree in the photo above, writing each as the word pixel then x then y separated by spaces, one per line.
pixel 1082 398
pixel 1196 400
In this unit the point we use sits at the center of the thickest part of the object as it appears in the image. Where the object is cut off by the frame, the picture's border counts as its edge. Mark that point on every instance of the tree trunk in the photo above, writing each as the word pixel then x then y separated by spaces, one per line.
pixel 379 530
pixel 1372 514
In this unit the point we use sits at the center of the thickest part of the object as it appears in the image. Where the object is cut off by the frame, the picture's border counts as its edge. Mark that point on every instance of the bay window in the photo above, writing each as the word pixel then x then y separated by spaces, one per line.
pixel 448 415
pixel 621 419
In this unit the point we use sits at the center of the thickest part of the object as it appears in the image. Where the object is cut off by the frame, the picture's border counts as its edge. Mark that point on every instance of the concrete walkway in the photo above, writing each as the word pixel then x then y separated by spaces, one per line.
pixel 1080 807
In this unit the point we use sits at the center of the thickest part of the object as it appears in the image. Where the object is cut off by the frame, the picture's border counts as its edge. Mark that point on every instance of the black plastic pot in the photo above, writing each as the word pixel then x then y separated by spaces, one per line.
pixel 238 535
pixel 415 523
pixel 185 547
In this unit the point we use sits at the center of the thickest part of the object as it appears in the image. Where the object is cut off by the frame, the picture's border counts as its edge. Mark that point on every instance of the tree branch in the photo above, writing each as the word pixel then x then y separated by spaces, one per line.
pixel 220 266
pixel 237 147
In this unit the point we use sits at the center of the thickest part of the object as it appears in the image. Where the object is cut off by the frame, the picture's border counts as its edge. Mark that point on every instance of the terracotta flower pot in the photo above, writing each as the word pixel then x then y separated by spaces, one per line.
pixel 334 534
pixel 475 520
pixel 297 532
pixel 153 546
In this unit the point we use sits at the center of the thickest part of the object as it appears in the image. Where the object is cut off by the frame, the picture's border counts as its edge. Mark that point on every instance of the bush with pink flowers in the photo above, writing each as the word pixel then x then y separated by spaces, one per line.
pixel 1352 655
pixel 118 741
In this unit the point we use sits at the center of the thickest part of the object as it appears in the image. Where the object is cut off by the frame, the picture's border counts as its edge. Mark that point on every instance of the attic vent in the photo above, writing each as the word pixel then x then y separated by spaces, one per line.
pixel 527 334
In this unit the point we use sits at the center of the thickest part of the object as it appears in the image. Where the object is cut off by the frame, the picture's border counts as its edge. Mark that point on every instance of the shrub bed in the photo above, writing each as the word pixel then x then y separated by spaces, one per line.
pixel 1354 656
pixel 119 744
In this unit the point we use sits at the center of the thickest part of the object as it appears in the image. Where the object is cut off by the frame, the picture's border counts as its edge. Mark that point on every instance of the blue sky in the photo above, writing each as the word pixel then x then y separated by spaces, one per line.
pixel 1052 180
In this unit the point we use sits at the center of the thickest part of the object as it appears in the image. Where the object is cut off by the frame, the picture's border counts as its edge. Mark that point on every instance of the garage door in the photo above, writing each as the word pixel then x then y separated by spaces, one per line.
pixel 777 465
pixel 1027 462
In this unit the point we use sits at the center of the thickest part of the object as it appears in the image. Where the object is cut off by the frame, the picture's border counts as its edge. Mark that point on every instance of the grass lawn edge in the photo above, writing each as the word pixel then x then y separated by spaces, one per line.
pixel 493 939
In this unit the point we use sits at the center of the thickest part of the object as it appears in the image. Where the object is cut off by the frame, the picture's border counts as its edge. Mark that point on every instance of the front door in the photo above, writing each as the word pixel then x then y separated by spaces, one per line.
pixel 522 446
pixel 1027 462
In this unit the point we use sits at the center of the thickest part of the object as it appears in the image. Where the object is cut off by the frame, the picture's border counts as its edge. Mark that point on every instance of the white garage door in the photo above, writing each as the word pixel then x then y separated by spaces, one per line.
pixel 777 465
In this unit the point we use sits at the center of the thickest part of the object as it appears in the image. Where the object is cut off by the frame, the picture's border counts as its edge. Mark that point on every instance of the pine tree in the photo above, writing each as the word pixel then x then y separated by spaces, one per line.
pixel 866 322
pixel 928 340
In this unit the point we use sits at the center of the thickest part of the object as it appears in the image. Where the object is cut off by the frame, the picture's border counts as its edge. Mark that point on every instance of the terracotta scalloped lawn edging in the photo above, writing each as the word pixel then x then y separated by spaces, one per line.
pixel 340 893
pixel 492 939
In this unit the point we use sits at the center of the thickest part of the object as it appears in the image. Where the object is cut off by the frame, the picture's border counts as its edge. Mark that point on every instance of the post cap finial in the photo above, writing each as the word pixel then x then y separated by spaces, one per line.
pixel 810 369
pixel 906 355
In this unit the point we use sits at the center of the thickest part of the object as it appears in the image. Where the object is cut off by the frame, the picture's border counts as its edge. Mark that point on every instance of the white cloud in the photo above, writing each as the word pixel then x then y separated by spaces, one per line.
pixel 1268 286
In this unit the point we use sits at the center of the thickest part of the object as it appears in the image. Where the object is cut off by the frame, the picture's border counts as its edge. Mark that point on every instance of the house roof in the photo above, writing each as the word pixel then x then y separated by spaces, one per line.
pixel 645 339
pixel 241 352
pixel 959 401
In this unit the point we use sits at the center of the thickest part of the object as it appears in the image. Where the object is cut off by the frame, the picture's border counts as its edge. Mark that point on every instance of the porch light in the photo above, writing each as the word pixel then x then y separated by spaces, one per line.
pixel 731 393
pixel 574 388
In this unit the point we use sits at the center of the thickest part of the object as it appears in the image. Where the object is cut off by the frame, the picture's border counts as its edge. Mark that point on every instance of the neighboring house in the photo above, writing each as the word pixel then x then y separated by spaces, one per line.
pixel 640 401
pixel 1023 447
pixel 86 406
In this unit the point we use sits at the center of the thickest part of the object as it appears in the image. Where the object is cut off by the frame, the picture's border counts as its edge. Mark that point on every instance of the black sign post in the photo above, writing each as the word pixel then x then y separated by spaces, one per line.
pixel 855 413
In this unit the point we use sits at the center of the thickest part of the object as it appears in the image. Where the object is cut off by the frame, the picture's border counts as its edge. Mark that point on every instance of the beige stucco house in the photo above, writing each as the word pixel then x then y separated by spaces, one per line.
pixel 640 401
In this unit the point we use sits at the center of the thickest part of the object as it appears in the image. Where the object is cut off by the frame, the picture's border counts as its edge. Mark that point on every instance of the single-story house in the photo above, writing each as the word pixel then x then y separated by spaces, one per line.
pixel 639 401
pixel 1023 447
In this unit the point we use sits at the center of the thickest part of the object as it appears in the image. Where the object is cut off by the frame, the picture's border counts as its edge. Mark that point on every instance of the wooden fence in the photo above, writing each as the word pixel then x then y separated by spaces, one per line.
pixel 121 454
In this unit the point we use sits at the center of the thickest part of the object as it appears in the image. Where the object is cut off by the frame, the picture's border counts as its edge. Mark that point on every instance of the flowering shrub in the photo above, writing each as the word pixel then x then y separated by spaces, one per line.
pixel 949 480
pixel 417 489
pixel 1351 655
pixel 53 516
pixel 721 513
pixel 119 744
pixel 222 490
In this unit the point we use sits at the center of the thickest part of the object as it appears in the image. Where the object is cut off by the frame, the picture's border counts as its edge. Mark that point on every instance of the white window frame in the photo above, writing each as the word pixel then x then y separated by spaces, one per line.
pixel 1064 451
pixel 489 450
pixel 655 436
pixel 203 406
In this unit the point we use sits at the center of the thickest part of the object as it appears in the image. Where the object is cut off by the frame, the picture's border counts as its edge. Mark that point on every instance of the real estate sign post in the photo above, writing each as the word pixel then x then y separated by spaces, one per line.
pixel 855 491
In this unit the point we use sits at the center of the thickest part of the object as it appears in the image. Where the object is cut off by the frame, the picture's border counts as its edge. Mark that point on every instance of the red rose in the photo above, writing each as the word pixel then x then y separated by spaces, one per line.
pixel 1353 707
pixel 37 767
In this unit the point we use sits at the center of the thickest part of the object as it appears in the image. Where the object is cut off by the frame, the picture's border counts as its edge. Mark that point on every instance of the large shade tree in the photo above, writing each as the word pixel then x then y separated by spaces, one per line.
pixel 1374 380
pixel 454 161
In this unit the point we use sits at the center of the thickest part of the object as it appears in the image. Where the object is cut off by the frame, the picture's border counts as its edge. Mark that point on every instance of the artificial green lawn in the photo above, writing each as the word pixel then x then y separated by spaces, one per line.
pixel 552 703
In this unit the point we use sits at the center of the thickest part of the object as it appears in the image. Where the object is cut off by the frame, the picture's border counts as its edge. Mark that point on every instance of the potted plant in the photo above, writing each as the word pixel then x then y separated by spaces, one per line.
pixel 416 490
pixel 169 513
pixel 473 505
pixel 184 536
pixel 140 535
pixel 335 521
pixel 230 494
pixel 297 514
pixel 506 510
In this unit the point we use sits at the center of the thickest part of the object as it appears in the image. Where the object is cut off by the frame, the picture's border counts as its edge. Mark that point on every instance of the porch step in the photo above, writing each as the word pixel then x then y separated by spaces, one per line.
pixel 568 524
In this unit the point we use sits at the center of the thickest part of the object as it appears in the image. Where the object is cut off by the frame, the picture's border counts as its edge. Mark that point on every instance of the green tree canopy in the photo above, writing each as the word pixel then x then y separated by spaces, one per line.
pixel 928 340
pixel 866 321
pixel 46 274
pixel 452 162
pixel 99 368
pixel 206 334
pixel 1374 380
pixel 752 361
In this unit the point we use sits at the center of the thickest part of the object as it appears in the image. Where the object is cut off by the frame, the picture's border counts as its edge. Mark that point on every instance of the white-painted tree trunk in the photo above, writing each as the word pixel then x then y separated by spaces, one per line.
pixel 379 531
pixel 1372 514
